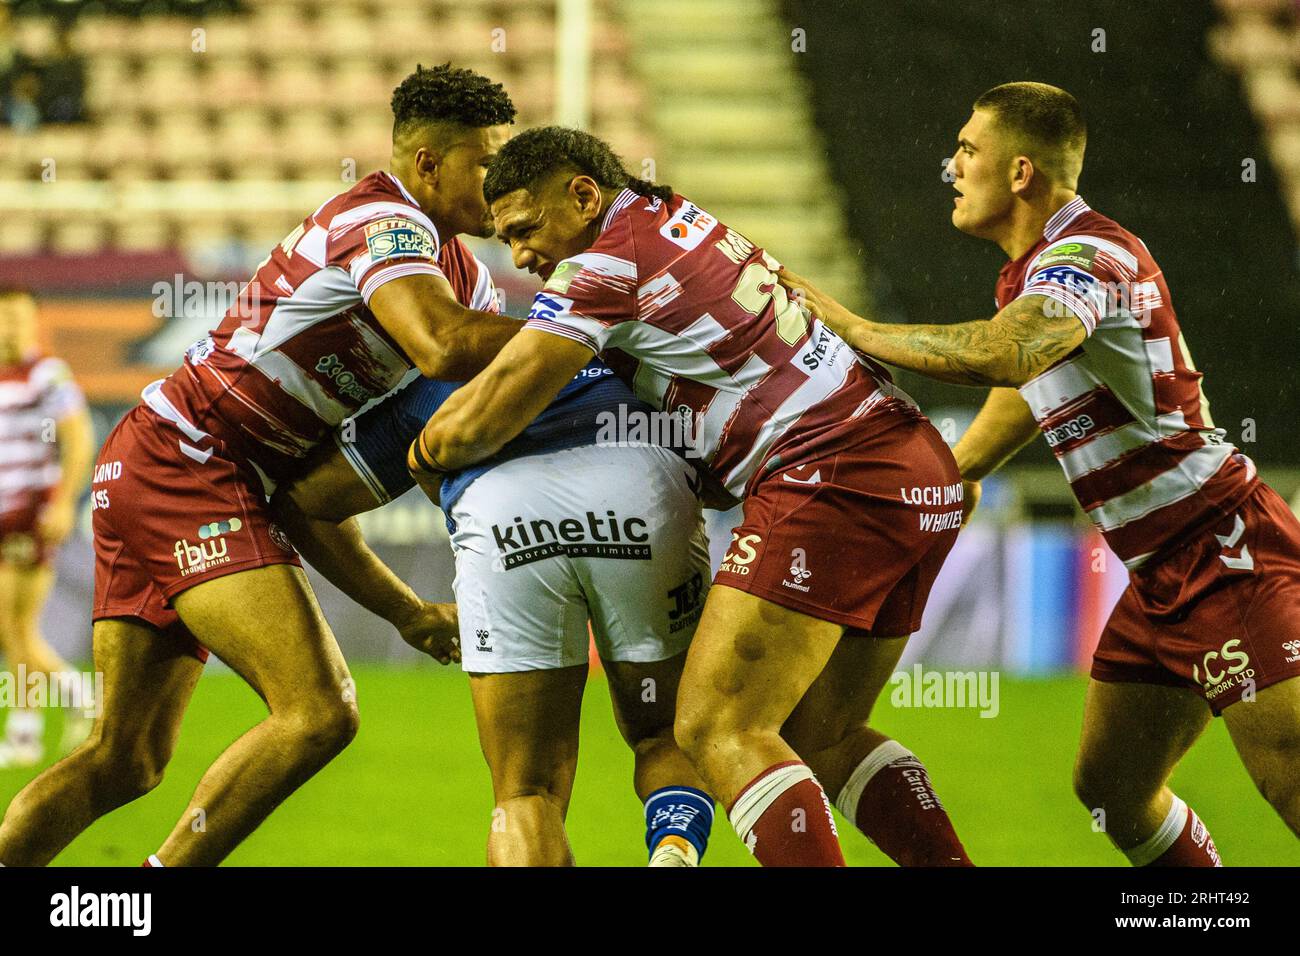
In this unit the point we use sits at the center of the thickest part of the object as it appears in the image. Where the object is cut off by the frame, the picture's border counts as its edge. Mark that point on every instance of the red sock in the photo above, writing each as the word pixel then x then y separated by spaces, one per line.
pixel 785 819
pixel 1181 840
pixel 890 798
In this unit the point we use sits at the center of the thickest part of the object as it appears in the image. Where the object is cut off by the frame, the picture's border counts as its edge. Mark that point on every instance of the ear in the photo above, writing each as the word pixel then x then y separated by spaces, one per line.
pixel 1023 174
pixel 586 194
pixel 428 165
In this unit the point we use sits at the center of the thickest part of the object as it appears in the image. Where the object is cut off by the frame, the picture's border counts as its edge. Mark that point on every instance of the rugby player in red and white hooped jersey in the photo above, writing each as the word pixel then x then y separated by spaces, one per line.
pixel 1086 348
pixel 46 446
pixel 188 556
pixel 851 498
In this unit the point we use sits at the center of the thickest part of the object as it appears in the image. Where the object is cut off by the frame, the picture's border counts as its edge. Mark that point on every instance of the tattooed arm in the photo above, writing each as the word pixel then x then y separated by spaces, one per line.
pixel 1021 341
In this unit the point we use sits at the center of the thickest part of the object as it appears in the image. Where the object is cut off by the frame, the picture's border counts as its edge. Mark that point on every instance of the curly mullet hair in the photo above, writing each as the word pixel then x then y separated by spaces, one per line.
pixel 536 153
pixel 450 95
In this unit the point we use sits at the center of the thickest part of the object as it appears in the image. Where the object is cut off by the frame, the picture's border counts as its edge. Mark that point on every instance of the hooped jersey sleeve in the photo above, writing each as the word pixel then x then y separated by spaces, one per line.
pixel 1090 276
pixel 379 242
pixel 589 294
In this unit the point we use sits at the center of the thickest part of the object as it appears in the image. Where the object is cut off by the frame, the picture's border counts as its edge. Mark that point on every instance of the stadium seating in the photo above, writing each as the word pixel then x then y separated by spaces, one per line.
pixel 235 105
pixel 1260 39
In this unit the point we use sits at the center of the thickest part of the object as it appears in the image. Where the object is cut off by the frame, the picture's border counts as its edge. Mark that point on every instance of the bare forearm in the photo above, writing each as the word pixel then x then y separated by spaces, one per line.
pixel 968 353
pixel 1024 339
pixel 1003 426
pixel 476 343
pixel 340 553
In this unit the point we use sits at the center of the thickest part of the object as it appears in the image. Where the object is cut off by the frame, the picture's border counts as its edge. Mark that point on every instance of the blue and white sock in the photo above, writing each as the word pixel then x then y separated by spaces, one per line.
pixel 681 812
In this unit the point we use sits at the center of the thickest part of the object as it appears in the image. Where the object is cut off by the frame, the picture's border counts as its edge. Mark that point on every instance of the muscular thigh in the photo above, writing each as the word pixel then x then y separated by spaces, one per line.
pixel 845 692
pixel 1135 734
pixel 1266 733
pixel 266 624
pixel 148 678
pixel 751 661
pixel 644 695
pixel 528 729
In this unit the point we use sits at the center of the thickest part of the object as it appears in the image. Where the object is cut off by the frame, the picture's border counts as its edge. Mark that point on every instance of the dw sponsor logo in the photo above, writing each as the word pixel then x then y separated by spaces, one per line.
pixel 688 227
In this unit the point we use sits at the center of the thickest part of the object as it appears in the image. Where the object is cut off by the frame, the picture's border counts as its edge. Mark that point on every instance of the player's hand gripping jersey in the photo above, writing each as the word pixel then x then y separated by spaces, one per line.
pixel 182 479
pixel 852 500
pixel 382 434
pixel 557 529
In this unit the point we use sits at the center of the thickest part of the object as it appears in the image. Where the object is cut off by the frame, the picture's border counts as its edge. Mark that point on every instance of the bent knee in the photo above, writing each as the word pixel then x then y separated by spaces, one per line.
pixel 1098 786
pixel 327 723
pixel 693 729
pixel 121 770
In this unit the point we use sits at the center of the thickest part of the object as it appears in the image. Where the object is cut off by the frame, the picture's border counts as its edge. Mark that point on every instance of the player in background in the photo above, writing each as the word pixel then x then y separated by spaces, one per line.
pixel 531 569
pixel 188 556
pixel 46 446
pixel 851 498
pixel 1086 347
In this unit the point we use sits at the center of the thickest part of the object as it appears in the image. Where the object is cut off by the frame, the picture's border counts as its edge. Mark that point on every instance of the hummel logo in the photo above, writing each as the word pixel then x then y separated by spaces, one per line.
pixel 799 565
pixel 482 637
pixel 813 479
pixel 1243 563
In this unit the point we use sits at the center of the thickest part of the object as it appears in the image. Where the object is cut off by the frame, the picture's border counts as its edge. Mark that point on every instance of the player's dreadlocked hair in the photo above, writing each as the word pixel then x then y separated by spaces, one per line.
pixel 449 95
pixel 537 153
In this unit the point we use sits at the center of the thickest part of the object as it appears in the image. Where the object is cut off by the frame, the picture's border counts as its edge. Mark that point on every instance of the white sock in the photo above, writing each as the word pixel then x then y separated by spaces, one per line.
pixel 154 861
pixel 1163 838
pixel 885 754
pixel 762 793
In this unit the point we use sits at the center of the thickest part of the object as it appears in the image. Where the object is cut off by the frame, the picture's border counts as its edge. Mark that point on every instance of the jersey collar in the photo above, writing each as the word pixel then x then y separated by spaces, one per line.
pixel 1062 218
pixel 402 189
pixel 621 202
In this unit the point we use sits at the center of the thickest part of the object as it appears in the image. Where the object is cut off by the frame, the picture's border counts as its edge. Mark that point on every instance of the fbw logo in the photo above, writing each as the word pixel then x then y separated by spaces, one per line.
pixel 211 551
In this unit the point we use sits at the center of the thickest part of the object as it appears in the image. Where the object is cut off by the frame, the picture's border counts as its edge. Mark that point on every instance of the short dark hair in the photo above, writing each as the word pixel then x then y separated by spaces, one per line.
pixel 1046 117
pixel 536 153
pixel 447 94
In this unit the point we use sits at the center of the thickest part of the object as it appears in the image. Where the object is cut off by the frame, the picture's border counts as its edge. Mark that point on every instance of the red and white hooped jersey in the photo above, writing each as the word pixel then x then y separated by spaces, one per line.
pixel 34 396
pixel 300 350
pixel 1124 413
pixel 690 312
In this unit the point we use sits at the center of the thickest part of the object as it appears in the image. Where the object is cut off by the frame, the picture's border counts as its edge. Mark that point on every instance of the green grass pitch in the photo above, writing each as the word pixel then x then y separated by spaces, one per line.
pixel 412 790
